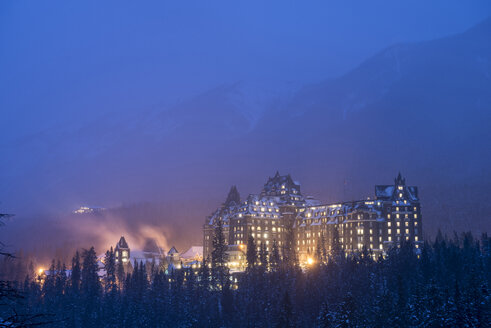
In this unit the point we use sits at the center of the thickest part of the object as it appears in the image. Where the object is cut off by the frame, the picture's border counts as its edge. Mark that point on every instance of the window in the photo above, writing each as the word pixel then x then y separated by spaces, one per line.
pixel 389 224
pixel 415 216
pixel 407 231
pixel 390 238
pixel 407 224
pixel 398 231
pixel 390 231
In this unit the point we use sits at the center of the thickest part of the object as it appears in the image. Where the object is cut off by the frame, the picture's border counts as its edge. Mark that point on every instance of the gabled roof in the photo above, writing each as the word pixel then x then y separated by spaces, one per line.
pixel 122 243
pixel 388 192
pixel 193 252
pixel 172 251
pixel 233 197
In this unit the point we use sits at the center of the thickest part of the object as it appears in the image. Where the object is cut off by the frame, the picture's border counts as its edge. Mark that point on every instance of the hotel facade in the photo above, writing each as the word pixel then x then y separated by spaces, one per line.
pixel 298 225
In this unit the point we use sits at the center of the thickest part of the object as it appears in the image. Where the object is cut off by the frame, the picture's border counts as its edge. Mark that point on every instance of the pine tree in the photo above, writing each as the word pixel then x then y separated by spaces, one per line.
pixel 275 257
pixel 110 268
pixel 285 316
pixel 337 253
pixel 219 256
pixel 263 257
pixel 251 253
pixel 90 287
pixel 76 274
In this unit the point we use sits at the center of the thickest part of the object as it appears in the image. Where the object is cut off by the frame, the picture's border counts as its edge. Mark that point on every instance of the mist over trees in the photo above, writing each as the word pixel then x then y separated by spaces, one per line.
pixel 447 284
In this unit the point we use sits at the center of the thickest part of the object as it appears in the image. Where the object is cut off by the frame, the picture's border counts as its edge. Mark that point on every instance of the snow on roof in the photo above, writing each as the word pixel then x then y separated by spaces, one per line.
pixel 122 243
pixel 172 251
pixel 384 192
pixel 193 252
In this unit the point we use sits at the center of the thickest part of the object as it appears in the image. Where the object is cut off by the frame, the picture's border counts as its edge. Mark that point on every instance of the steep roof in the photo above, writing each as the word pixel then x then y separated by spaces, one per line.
pixel 388 192
pixel 172 251
pixel 233 197
pixel 122 243
pixel 193 252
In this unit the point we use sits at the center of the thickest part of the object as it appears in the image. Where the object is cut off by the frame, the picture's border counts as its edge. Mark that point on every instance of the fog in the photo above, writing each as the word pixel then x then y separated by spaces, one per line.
pixel 153 110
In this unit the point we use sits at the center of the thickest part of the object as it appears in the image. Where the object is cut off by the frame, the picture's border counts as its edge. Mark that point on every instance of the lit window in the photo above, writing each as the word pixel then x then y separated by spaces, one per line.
pixel 398 224
pixel 398 231
pixel 415 216
pixel 390 231
pixel 400 195
pixel 390 238
pixel 397 216
pixel 389 224
pixel 407 231
pixel 416 238
pixel 381 246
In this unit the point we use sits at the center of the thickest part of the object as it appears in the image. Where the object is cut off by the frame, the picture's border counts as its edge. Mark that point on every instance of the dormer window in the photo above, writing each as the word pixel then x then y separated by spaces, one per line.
pixel 399 187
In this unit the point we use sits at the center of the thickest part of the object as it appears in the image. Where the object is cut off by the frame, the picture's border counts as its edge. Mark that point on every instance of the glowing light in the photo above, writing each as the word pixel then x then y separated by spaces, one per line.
pixel 40 270
pixel 310 261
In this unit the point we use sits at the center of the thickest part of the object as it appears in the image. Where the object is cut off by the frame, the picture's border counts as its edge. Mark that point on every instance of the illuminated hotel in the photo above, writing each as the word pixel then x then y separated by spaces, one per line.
pixel 281 214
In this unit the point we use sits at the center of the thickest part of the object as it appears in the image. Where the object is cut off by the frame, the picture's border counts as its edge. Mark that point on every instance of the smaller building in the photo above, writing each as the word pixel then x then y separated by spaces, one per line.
pixel 122 251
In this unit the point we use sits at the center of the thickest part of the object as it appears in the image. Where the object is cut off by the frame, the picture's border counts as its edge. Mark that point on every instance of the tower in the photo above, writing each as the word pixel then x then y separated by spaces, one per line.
pixel 122 251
